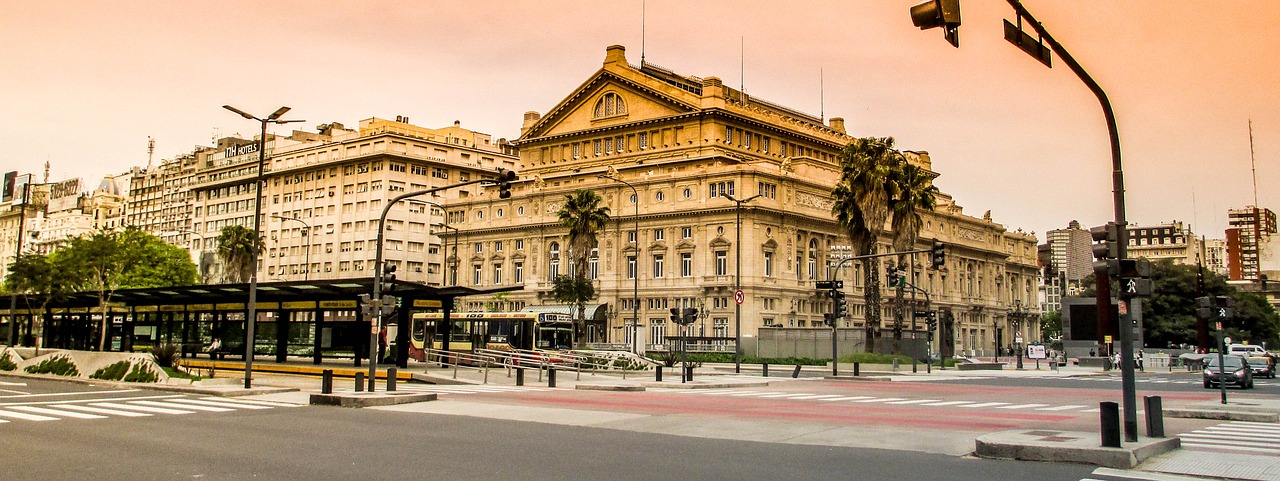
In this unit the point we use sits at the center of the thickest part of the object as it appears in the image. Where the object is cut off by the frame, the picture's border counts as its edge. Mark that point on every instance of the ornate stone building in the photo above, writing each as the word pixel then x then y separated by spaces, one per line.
pixel 688 145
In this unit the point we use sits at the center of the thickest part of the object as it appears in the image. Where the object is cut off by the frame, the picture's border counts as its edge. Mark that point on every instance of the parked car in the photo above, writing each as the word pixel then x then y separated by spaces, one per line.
pixel 1232 370
pixel 1263 367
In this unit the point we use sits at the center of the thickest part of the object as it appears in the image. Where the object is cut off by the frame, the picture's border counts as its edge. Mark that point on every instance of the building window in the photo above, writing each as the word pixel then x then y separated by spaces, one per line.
pixel 554 253
pixel 686 264
pixel 593 263
pixel 497 274
pixel 519 244
pixel 658 234
pixel 631 267
pixel 608 145
pixel 657 330
pixel 686 232
pixel 768 190
pixel 518 269
pixel 728 134
pixel 722 263
pixel 475 279
pixel 479 246
pixel 577 150
pixel 717 189
pixel 643 138
pixel 497 246
pixel 608 105
pixel 768 264
pixel 596 147
pixel 657 266
pixel 631 236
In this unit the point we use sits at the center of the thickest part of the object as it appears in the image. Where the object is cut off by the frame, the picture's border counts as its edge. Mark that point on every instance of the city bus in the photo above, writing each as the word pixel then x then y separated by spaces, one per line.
pixel 502 331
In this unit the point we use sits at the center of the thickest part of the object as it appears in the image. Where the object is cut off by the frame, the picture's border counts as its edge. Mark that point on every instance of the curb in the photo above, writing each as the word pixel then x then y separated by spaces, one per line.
pixel 697 385
pixel 363 400
pixel 1224 415
pixel 610 387
pixel 1074 447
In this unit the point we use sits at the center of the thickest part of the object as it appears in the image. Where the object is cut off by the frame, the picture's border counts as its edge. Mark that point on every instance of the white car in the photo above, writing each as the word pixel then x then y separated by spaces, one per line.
pixel 1246 350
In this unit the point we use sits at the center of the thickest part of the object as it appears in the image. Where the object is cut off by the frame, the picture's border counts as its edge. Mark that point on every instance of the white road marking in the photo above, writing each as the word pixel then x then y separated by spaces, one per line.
pixel 114 412
pixel 174 405
pixel 136 407
pixel 57 412
pixel 25 416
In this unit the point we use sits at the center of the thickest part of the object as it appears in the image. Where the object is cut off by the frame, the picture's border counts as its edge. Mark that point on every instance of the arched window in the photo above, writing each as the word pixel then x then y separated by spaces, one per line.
pixel 554 253
pixel 609 105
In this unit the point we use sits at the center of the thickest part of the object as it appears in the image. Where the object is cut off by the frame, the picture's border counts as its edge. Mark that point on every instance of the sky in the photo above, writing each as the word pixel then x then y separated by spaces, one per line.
pixel 85 84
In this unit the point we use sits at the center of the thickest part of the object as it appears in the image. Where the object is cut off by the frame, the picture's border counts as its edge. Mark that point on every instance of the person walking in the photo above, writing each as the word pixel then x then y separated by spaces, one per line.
pixel 382 344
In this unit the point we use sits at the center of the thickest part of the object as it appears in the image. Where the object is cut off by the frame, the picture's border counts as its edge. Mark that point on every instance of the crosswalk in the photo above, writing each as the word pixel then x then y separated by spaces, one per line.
pixel 891 401
pixel 1235 437
pixel 135 407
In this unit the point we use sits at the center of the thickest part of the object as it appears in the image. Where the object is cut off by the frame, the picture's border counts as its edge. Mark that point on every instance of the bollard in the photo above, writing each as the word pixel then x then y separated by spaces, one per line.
pixel 765 366
pixel 857 368
pixel 326 381
pixel 688 372
pixel 928 367
pixel 657 373
pixel 391 379
pixel 913 365
pixel 372 380
pixel 1155 416
pixel 895 364
pixel 519 376
pixel 1109 414
pixel 796 372
pixel 359 382
pixel 551 376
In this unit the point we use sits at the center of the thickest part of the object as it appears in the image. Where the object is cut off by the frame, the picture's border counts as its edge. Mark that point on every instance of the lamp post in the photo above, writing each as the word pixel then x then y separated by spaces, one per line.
pixel 1015 318
pixel 737 284
pixel 452 276
pixel 635 280
pixel 13 296
pixel 198 252
pixel 251 319
pixel 443 245
pixel 307 236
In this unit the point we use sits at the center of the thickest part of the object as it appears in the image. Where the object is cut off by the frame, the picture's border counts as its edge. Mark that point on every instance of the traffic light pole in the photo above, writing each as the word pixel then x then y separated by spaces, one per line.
pixel 375 323
pixel 1117 189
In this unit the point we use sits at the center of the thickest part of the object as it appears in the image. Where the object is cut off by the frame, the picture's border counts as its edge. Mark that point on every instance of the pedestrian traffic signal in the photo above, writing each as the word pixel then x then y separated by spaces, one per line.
pixel 938 254
pixel 675 315
pixel 939 13
pixel 1106 248
pixel 505 178
pixel 829 319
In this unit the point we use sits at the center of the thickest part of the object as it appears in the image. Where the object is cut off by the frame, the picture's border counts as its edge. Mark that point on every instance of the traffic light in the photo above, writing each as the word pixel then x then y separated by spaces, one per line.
pixel 891 272
pixel 840 307
pixel 1135 278
pixel 939 13
pixel 388 305
pixel 505 177
pixel 690 315
pixel 932 320
pixel 1219 307
pixel 365 307
pixel 829 319
pixel 388 277
pixel 675 315
pixel 938 254
pixel 1106 248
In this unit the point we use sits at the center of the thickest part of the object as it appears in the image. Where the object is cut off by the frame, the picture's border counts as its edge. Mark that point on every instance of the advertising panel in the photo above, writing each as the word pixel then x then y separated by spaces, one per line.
pixel 63 195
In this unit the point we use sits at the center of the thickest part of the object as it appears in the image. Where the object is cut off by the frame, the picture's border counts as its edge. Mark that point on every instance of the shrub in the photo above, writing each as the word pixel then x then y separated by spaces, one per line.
pixel 7 364
pixel 141 373
pixel 165 354
pixel 58 366
pixel 113 372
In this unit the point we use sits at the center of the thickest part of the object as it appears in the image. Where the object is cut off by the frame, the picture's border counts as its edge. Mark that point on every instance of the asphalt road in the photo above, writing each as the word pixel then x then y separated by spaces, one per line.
pixel 308 443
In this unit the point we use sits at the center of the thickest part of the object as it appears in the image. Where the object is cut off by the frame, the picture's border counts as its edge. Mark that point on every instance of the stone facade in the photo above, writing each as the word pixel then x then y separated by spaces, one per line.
pixel 687 145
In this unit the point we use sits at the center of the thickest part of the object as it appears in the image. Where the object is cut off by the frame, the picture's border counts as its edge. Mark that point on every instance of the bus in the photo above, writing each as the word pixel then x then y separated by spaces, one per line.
pixel 501 331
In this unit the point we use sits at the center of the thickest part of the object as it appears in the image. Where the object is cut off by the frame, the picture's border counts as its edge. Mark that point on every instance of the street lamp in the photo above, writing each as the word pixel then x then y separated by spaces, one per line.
pixel 307 236
pixel 1015 318
pixel 453 274
pixel 737 284
pixel 635 280
pixel 274 118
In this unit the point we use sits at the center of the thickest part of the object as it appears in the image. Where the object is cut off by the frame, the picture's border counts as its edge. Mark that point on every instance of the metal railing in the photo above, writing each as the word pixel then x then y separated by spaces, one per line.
pixel 477 361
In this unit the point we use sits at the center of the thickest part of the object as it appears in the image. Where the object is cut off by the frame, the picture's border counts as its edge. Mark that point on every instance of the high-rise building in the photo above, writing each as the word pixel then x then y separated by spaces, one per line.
pixel 690 147
pixel 1067 259
pixel 1215 256
pixel 1172 241
pixel 1248 238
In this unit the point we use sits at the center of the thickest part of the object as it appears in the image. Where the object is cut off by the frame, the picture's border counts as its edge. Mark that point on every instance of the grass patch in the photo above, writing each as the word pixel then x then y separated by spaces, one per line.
pixel 141 373
pixel 58 366
pixel 178 374
pixel 114 372
pixel 7 364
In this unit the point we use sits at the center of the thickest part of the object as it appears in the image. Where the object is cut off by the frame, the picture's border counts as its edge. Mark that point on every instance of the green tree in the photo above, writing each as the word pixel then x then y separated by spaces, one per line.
pixel 1050 325
pixel 861 207
pixel 911 192
pixel 236 248
pixel 151 262
pixel 583 215
pixel 39 282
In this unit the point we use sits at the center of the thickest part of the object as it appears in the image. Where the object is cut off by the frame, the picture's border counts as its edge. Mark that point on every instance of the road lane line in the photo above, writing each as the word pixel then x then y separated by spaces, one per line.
pixel 846 398
pixel 884 399
pixel 57 412
pixel 817 396
pixel 1061 408
pixel 114 412
pixel 756 393
pixel 948 403
pixel 147 409
pixel 1022 406
pixel 983 405
pixel 787 395
pixel 25 416
pixel 913 401
pixel 175 405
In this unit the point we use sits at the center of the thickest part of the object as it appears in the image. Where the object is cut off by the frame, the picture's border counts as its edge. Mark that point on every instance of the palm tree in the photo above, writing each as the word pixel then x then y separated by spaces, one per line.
pixel 911 192
pixel 861 207
pixel 236 247
pixel 583 215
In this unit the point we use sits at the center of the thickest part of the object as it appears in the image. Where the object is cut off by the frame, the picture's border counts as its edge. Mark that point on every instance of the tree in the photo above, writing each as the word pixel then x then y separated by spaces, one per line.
pixel 861 207
pixel 911 192
pixel 1050 325
pixel 574 291
pixel 106 261
pixel 36 278
pixel 236 247
pixel 583 215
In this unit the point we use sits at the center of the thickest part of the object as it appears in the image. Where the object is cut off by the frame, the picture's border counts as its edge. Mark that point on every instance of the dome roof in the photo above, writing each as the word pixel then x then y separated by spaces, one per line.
pixel 109 186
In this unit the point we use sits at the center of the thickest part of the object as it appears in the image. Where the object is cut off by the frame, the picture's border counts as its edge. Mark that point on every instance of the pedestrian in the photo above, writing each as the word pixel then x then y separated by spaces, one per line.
pixel 214 347
pixel 382 344
pixel 1093 353
pixel 1138 359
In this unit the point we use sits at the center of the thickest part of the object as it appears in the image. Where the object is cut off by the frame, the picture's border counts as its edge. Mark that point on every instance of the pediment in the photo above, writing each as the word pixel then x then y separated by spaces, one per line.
pixel 719 242
pixel 578 111
pixel 770 244
pixel 658 247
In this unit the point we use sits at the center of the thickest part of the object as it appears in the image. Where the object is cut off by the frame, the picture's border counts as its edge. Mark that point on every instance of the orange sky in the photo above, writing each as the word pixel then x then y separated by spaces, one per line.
pixel 85 84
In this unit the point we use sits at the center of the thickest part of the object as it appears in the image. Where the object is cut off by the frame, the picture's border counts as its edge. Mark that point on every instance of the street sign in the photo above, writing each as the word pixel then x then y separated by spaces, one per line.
pixel 1123 308
pixel 1018 339
pixel 1107 339
pixel 830 284
pixel 739 297
pixel 1036 352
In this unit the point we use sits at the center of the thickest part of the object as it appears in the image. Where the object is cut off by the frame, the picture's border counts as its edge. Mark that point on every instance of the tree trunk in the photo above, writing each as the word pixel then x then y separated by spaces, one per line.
pixel 871 297
pixel 898 315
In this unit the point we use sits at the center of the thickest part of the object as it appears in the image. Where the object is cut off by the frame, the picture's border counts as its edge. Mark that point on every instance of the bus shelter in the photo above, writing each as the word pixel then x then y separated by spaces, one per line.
pixel 311 319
